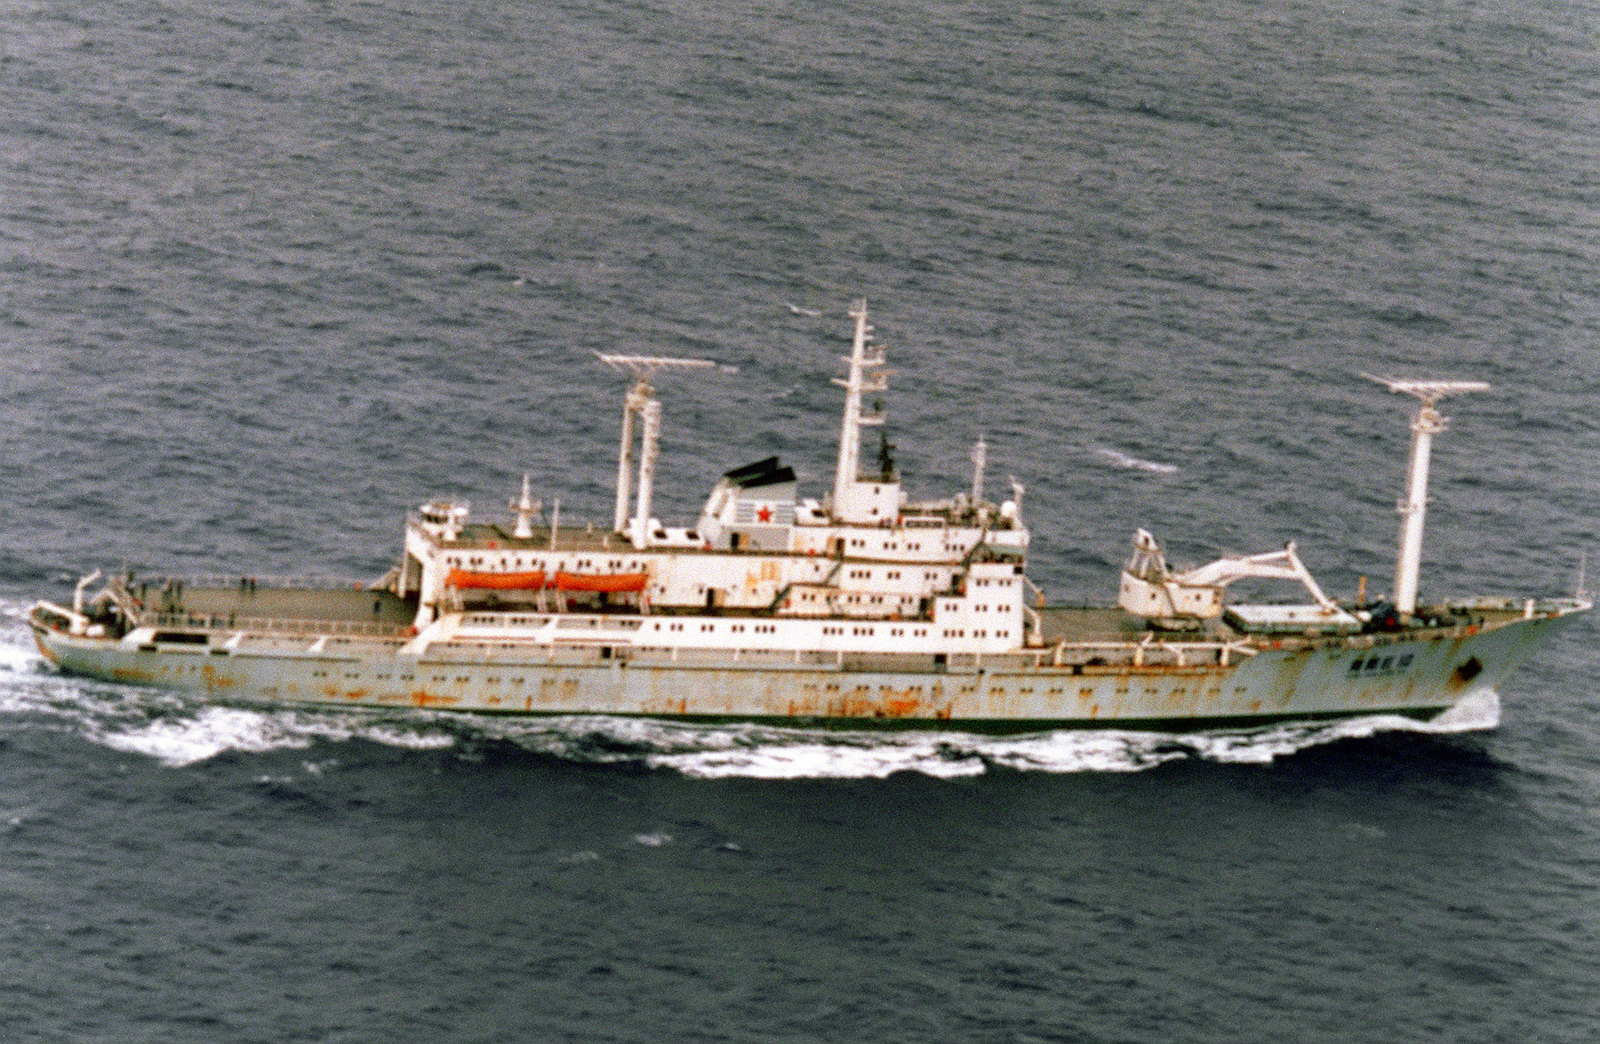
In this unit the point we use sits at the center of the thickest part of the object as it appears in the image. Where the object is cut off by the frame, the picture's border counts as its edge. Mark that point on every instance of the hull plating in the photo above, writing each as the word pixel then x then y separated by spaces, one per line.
pixel 1419 678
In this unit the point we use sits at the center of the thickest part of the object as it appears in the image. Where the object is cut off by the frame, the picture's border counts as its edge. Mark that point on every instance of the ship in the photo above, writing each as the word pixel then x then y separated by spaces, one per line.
pixel 863 609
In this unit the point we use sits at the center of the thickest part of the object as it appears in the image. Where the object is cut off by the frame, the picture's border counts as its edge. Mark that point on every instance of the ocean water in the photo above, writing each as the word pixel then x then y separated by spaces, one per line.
pixel 273 272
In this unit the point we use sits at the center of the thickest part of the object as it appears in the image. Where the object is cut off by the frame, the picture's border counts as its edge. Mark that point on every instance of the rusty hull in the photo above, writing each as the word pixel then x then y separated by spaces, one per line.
pixel 998 694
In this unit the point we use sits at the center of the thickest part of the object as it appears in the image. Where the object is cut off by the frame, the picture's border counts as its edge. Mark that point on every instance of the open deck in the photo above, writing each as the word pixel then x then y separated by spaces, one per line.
pixel 267 605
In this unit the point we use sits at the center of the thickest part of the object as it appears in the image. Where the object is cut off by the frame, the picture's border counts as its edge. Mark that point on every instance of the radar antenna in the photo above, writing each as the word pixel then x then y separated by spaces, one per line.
pixel 644 367
pixel 641 401
pixel 1427 423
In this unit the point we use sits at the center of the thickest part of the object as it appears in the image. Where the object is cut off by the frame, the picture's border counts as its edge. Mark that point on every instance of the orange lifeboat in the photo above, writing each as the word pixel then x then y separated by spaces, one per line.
pixel 608 582
pixel 465 579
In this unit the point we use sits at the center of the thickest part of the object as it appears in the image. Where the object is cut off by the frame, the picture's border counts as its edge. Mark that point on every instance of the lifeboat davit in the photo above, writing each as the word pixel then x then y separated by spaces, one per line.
pixel 608 582
pixel 465 579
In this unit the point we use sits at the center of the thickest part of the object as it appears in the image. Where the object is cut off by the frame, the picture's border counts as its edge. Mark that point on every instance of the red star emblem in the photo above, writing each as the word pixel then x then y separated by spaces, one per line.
pixel 764 513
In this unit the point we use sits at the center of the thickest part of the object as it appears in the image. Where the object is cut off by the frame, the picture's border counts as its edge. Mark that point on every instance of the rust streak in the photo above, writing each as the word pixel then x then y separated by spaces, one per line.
pixel 899 707
pixel 44 650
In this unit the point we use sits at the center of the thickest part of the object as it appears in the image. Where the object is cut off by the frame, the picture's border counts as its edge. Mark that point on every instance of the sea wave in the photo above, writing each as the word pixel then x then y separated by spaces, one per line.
pixel 18 656
pixel 213 730
pixel 1124 460
pixel 750 751
pixel 196 733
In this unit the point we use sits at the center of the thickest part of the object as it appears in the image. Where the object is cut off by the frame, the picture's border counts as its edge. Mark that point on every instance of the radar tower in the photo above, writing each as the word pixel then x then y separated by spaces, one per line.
pixel 1427 423
pixel 641 402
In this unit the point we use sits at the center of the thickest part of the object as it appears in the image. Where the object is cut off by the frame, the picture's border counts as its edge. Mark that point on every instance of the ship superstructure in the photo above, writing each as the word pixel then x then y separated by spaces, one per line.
pixel 939 576
pixel 865 606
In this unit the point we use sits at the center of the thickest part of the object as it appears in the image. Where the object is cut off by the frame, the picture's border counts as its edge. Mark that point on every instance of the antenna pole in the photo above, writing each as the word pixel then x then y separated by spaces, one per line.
pixel 641 402
pixel 1408 564
pixel 864 360
pixel 980 457
pixel 849 464
pixel 648 443
pixel 625 455
pixel 525 509
pixel 1427 423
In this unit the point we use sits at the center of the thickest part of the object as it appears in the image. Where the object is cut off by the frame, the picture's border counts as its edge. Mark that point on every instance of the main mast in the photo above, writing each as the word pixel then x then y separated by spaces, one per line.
pixel 850 502
pixel 1427 423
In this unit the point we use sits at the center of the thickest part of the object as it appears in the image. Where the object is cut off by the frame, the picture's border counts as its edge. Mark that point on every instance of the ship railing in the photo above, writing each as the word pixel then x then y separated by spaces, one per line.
pixel 478 650
pixel 221 582
pixel 1146 653
pixel 519 621
pixel 272 625
pixel 1064 656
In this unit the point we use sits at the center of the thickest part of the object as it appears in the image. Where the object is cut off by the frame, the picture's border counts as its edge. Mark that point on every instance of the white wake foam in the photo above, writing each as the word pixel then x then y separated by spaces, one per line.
pixel 194 734
pixel 949 755
pixel 209 731
pixel 17 652
pixel 198 734
pixel 1124 460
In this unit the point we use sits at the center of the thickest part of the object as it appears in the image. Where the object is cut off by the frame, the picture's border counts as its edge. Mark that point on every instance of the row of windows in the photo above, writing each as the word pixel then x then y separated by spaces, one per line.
pixel 930 575
pixel 909 545
pixel 872 631
pixel 740 628
pixel 737 628
pixel 521 562
pixel 1381 663
pixel 353 675
pixel 866 574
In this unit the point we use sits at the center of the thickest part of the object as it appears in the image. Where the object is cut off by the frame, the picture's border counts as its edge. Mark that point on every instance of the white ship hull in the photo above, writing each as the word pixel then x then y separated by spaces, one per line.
pixel 1419 674
pixel 865 608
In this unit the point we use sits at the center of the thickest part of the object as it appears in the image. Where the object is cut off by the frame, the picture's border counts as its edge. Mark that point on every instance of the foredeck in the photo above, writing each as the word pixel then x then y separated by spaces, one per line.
pixel 246 600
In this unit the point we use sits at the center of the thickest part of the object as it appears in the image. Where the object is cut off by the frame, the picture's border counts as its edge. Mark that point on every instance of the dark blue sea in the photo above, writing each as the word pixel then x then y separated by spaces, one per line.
pixel 273 272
